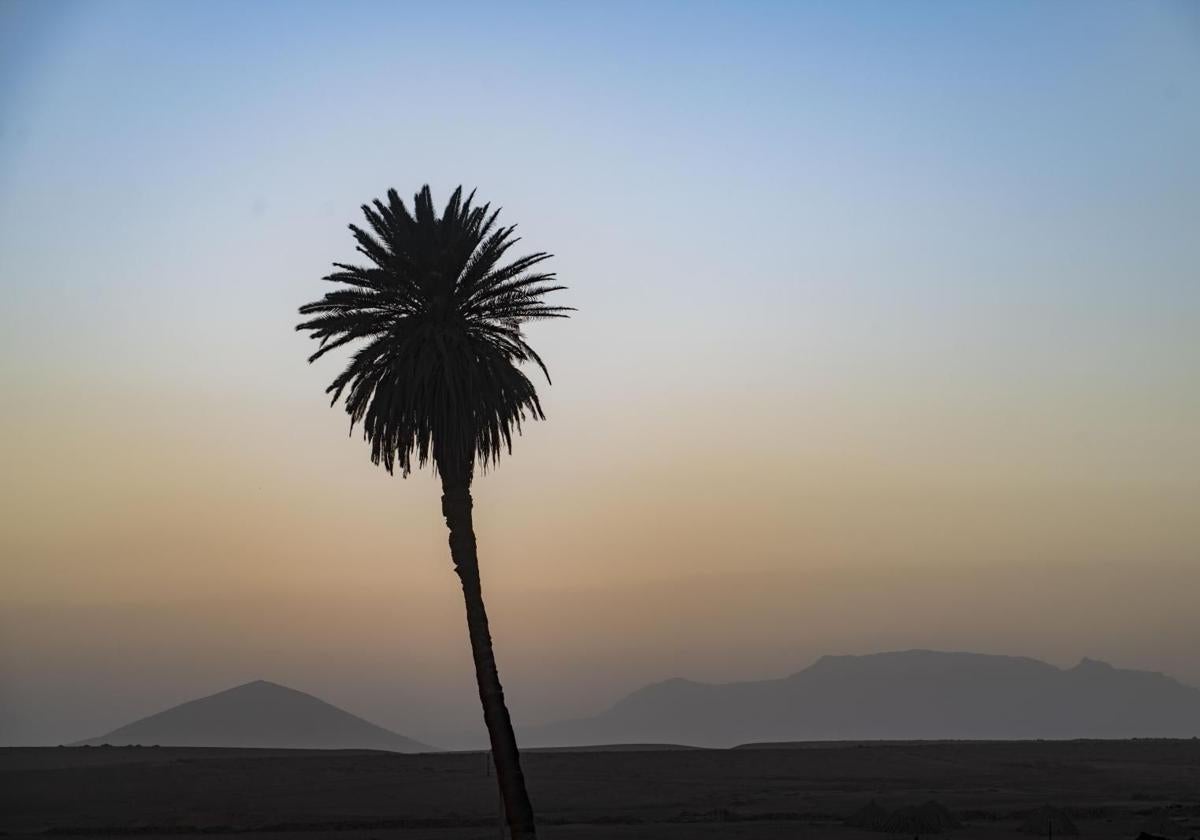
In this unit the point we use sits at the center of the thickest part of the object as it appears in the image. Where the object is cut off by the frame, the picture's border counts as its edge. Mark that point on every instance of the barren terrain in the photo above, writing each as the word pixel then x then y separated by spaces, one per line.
pixel 1111 789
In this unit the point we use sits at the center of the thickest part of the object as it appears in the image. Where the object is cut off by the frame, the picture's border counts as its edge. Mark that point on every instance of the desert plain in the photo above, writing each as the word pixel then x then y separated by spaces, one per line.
pixel 1110 789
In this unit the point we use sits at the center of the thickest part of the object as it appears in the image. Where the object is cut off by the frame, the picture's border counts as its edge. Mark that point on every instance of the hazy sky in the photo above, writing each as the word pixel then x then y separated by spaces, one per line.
pixel 887 338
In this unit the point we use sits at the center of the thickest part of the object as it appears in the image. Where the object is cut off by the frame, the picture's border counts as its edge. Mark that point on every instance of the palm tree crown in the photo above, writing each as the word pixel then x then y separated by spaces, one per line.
pixel 438 314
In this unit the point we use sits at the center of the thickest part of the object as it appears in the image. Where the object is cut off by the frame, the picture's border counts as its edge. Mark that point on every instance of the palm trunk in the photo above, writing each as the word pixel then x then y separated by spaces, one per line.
pixel 456 507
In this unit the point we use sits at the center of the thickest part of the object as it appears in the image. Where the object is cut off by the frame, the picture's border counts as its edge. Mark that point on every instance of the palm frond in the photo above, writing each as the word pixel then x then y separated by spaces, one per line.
pixel 435 377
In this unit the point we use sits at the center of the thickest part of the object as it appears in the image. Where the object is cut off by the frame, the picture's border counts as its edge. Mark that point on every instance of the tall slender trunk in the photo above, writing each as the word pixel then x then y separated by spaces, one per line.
pixel 456 507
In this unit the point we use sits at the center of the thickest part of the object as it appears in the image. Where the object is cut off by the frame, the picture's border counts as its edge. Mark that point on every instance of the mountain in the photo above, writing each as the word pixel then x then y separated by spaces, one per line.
pixel 259 714
pixel 916 694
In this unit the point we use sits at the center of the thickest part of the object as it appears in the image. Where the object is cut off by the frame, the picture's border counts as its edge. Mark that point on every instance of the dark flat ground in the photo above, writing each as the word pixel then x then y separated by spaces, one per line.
pixel 1111 787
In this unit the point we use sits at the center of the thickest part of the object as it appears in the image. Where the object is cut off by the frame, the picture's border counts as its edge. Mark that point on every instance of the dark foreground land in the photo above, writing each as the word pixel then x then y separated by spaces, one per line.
pixel 1113 789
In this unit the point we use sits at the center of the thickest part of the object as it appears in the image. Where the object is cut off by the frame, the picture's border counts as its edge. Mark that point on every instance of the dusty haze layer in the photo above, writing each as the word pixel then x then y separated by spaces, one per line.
pixel 886 340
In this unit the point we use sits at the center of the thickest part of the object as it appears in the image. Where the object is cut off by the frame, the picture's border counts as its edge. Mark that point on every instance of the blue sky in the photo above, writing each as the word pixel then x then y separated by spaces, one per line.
pixel 947 154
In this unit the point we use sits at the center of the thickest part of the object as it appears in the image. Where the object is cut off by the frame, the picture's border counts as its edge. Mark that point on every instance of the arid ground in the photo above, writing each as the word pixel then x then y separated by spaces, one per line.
pixel 1111 789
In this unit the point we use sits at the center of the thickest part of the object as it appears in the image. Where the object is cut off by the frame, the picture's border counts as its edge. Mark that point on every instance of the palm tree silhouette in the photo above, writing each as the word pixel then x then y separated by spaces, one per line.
pixel 436 318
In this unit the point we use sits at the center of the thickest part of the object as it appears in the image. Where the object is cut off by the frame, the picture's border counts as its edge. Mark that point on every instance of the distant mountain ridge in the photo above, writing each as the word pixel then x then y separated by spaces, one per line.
pixel 258 714
pixel 903 695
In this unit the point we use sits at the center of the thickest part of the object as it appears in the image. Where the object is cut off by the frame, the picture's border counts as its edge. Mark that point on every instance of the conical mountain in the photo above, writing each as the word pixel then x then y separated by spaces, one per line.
pixel 259 714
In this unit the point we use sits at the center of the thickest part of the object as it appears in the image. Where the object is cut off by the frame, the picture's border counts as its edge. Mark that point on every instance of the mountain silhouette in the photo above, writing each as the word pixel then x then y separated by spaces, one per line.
pixel 258 714
pixel 916 694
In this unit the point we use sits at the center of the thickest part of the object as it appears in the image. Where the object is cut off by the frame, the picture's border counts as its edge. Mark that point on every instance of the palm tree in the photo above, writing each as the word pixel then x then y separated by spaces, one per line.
pixel 435 378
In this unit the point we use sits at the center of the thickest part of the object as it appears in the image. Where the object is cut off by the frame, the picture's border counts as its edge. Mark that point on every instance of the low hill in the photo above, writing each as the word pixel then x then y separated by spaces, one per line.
pixel 907 695
pixel 259 714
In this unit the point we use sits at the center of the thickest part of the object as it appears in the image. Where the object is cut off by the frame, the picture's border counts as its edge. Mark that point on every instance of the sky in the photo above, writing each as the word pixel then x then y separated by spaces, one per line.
pixel 886 338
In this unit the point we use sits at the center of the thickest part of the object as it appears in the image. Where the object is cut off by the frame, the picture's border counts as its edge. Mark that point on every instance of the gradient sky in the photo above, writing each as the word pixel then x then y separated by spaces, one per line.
pixel 887 338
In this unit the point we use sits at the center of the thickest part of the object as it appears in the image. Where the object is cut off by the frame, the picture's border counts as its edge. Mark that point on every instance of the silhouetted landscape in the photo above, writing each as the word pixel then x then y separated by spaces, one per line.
pixel 911 742
pixel 643 420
